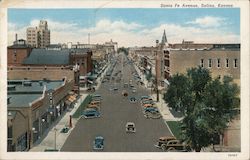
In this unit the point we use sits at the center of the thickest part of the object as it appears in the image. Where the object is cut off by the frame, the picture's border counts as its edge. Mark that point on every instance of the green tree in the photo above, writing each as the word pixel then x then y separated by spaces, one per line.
pixel 207 104
pixel 123 49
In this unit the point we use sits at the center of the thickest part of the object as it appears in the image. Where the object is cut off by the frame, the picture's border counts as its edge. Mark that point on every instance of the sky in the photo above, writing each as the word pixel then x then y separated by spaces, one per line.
pixel 130 26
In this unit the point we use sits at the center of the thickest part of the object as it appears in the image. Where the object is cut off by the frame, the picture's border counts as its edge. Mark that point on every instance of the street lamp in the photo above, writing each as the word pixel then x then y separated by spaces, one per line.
pixel 58 110
pixel 55 129
pixel 43 120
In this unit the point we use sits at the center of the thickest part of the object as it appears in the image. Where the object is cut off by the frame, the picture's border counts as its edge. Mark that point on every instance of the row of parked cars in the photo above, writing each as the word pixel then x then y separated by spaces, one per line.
pixel 149 107
pixel 93 108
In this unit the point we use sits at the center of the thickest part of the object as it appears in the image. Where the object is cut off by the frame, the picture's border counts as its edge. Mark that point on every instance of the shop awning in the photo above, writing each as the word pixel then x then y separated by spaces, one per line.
pixel 71 98
pixel 91 82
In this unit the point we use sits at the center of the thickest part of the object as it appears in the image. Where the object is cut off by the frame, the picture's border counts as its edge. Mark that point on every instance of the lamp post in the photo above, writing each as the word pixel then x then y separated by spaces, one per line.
pixel 55 129
pixel 51 115
pixel 43 120
pixel 34 132
pixel 58 110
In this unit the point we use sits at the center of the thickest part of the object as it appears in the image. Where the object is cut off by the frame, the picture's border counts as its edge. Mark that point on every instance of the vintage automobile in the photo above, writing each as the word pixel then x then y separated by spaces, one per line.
pixel 98 143
pixel 96 107
pixel 90 113
pixel 147 105
pixel 96 97
pixel 124 93
pixel 153 110
pixel 144 97
pixel 130 127
pixel 174 145
pixel 148 102
pixel 95 102
pixel 164 140
pixel 132 100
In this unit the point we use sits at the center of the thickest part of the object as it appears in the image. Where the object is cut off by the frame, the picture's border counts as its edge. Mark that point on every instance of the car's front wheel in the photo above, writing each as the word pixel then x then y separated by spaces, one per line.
pixel 164 147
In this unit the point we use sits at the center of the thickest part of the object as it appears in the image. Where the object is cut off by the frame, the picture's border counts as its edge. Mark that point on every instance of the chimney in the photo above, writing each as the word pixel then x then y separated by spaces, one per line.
pixel 16 36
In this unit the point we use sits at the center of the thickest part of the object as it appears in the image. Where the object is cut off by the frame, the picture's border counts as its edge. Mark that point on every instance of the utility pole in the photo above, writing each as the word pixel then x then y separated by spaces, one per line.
pixel 157 73
pixel 88 38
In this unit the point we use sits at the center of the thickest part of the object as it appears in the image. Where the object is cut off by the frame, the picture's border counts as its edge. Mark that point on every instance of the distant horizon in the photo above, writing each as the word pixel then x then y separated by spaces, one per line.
pixel 130 27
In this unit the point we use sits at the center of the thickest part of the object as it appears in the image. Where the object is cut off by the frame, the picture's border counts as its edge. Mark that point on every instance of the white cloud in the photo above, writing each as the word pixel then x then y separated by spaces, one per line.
pixel 208 21
pixel 127 34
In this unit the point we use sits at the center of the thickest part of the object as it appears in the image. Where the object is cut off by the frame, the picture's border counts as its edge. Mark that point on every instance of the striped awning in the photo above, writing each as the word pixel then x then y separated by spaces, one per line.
pixel 72 98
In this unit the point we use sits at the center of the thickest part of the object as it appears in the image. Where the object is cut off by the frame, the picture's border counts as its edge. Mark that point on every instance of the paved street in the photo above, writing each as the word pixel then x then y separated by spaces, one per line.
pixel 116 111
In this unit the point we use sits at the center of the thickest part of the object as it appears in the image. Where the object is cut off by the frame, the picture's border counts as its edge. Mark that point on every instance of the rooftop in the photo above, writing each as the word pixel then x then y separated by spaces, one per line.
pixel 23 92
pixel 48 57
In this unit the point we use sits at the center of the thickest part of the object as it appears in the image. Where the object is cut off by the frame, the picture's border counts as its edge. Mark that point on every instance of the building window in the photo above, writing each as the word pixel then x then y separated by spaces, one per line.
pixel 235 63
pixel 227 63
pixel 209 63
pixel 218 63
pixel 10 132
pixel 202 63
pixel 15 57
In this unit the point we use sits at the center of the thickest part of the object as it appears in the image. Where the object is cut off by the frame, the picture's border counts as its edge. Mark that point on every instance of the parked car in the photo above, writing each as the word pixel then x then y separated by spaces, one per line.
pixel 96 97
pixel 164 140
pixel 98 143
pixel 176 146
pixel 153 110
pixel 90 113
pixel 144 97
pixel 148 102
pixel 130 127
pixel 96 107
pixel 95 102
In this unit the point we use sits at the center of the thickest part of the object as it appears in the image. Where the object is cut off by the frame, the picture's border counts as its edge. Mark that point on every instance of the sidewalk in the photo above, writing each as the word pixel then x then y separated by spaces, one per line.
pixel 48 141
pixel 162 106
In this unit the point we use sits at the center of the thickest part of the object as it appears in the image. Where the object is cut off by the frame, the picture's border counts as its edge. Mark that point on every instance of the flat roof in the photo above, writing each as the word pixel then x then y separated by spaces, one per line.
pixel 36 86
pixel 22 100
pixel 22 95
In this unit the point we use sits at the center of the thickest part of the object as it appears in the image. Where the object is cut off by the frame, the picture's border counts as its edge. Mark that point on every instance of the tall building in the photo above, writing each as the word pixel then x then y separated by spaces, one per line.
pixel 39 37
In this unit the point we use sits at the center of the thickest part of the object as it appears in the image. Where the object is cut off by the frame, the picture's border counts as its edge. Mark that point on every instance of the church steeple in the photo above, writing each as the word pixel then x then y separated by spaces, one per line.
pixel 164 38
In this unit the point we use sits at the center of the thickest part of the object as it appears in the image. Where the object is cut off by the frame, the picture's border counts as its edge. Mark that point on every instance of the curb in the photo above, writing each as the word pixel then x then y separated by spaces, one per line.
pixel 169 128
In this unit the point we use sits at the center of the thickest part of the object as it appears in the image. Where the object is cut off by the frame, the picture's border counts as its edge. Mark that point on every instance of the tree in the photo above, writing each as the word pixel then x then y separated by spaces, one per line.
pixel 123 49
pixel 207 104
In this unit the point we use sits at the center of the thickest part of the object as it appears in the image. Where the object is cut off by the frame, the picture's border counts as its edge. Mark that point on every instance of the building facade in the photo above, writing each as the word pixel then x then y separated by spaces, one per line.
pixel 18 52
pixel 38 37
pixel 221 60
pixel 32 107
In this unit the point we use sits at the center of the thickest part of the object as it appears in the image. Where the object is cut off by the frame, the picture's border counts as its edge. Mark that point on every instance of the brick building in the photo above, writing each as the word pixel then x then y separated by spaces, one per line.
pixel 18 52
pixel 220 59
